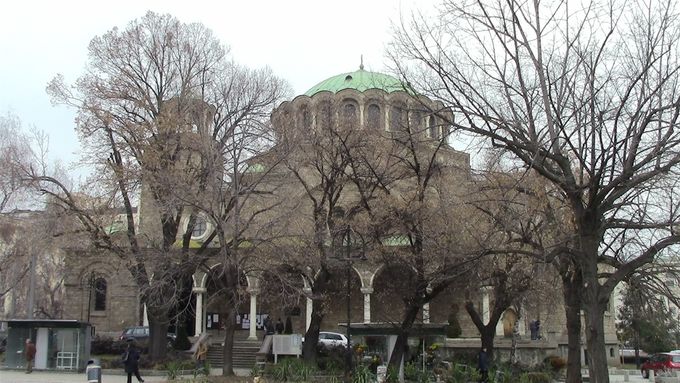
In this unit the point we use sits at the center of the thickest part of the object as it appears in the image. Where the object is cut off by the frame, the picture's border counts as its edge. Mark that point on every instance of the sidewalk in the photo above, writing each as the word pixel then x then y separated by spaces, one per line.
pixel 15 376
pixel 108 376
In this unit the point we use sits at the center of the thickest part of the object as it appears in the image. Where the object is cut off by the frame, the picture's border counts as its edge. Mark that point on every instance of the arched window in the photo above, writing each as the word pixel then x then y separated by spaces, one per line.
pixel 306 119
pixel 99 297
pixel 433 128
pixel 373 117
pixel 398 118
pixel 324 117
pixel 350 114
pixel 416 121
pixel 200 227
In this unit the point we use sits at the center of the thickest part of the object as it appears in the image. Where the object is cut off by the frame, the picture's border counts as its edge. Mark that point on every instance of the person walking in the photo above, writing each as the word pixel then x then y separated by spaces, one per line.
pixel 201 354
pixel 483 365
pixel 131 362
pixel 29 351
pixel 279 326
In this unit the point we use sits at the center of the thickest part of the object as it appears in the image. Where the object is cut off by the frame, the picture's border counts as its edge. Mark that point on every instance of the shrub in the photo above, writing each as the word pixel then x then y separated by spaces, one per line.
pixel 392 375
pixel 332 364
pixel 410 371
pixel 362 374
pixel 103 345
pixel 172 370
pixel 292 370
pixel 182 341
pixel 555 363
pixel 537 377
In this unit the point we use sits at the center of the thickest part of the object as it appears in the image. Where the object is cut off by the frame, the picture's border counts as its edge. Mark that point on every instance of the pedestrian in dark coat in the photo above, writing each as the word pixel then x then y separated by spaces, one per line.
pixel 131 362
pixel 279 326
pixel 29 351
pixel 483 365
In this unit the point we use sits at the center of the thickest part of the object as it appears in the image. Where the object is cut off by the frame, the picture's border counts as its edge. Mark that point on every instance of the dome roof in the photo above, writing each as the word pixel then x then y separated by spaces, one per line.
pixel 360 80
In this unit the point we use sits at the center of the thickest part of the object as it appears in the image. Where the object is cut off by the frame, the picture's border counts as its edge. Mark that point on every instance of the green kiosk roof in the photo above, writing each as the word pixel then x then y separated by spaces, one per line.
pixel 360 80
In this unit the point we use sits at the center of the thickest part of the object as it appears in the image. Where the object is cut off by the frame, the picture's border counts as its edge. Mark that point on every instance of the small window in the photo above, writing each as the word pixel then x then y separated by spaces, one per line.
pixel 373 117
pixel 349 115
pixel 100 294
pixel 432 128
pixel 140 332
pixel 398 118
pixel 324 117
pixel 676 358
pixel 611 352
pixel 306 119
pixel 200 227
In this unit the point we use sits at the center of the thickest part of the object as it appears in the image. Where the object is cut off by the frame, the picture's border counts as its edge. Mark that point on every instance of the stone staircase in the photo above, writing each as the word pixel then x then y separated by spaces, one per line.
pixel 243 354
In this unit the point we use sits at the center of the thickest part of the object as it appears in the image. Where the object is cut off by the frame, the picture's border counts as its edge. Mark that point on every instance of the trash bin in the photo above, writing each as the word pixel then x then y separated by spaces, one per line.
pixel 93 371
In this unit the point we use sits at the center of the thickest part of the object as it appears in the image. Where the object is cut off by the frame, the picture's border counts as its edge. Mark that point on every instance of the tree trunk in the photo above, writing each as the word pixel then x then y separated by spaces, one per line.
pixel 571 285
pixel 402 338
pixel 312 334
pixel 158 334
pixel 488 334
pixel 597 352
pixel 228 348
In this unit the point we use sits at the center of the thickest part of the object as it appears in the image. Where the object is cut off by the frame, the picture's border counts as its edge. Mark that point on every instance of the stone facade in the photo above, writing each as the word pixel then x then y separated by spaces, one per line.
pixel 370 301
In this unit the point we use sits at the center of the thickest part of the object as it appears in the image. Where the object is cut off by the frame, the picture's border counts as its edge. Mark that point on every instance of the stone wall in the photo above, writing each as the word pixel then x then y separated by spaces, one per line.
pixel 122 302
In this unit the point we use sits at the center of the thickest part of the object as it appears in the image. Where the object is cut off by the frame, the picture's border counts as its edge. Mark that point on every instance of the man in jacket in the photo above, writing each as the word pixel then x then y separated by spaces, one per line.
pixel 29 351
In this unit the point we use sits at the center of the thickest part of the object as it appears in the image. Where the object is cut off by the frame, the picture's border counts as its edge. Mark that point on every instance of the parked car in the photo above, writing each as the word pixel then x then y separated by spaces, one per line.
pixel 141 334
pixel 665 361
pixel 330 340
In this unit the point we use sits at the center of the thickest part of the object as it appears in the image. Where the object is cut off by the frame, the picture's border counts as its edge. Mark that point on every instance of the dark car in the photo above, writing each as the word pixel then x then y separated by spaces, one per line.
pixel 660 362
pixel 140 334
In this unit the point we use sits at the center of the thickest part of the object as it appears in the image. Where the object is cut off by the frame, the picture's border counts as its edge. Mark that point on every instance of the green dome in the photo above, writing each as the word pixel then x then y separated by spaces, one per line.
pixel 360 80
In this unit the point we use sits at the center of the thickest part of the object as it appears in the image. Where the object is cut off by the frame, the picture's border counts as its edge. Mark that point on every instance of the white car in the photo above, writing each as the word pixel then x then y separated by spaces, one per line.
pixel 331 339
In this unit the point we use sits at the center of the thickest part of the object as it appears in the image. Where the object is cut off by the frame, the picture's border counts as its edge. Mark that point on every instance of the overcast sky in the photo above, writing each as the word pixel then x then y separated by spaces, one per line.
pixel 303 42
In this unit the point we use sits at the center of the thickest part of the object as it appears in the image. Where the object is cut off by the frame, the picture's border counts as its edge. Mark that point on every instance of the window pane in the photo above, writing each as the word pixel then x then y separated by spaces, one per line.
pixel 373 118
pixel 100 294
pixel 199 227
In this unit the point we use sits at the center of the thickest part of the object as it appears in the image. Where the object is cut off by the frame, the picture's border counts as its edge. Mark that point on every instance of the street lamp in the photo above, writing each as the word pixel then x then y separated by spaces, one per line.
pixel 353 248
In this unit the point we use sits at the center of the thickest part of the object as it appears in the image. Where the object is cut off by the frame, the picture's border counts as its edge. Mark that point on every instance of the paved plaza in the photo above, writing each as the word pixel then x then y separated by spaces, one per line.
pixel 14 376
pixel 108 376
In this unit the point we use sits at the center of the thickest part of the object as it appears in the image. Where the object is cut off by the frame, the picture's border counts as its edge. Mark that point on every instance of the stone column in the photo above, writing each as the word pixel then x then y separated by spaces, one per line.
pixel 486 314
pixel 308 309
pixel 367 291
pixel 426 312
pixel 426 308
pixel 145 317
pixel 198 327
pixel 252 332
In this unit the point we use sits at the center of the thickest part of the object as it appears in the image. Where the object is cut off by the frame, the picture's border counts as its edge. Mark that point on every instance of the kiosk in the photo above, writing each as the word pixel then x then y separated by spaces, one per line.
pixel 60 344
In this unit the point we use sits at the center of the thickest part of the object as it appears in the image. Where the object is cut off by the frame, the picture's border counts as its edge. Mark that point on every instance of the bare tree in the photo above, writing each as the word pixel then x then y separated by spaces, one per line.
pixel 158 109
pixel 317 161
pixel 424 203
pixel 587 97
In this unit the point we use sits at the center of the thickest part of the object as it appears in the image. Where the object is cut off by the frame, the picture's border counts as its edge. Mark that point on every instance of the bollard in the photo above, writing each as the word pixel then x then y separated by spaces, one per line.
pixel 626 378
pixel 652 376
pixel 93 371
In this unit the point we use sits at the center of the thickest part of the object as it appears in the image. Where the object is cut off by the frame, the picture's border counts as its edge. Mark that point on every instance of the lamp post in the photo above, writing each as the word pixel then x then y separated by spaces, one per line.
pixel 350 241
pixel 348 255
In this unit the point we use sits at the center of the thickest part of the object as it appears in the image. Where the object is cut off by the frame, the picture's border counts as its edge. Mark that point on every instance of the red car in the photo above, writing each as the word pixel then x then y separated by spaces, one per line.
pixel 660 362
